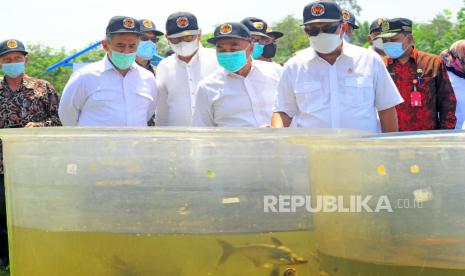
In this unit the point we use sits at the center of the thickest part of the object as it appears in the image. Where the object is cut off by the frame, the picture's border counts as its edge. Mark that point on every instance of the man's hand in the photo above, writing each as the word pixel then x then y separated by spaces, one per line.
pixel 33 125
pixel 280 120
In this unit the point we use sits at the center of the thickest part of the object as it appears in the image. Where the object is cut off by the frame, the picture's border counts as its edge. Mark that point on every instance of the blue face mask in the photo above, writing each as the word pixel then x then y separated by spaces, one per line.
pixel 257 50
pixel 346 38
pixel 393 49
pixel 146 50
pixel 13 70
pixel 232 61
pixel 122 61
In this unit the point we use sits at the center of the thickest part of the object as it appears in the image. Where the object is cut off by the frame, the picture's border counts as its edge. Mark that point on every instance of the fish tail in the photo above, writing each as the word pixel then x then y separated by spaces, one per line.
pixel 228 249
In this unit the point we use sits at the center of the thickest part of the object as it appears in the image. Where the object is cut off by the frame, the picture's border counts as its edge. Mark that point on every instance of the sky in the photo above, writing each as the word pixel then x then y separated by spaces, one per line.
pixel 76 24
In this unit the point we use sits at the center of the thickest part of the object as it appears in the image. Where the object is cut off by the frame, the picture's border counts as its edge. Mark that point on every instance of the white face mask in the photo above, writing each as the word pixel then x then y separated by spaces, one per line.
pixel 378 43
pixel 185 49
pixel 325 43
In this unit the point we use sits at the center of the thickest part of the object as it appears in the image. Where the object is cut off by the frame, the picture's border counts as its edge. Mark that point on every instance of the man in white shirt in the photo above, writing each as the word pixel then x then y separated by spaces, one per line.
pixel 179 74
pixel 242 93
pixel 335 84
pixel 115 91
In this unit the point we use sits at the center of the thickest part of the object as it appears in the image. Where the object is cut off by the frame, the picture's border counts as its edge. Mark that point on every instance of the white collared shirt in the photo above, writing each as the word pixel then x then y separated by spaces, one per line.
pixel 347 94
pixel 226 99
pixel 458 84
pixel 177 83
pixel 98 95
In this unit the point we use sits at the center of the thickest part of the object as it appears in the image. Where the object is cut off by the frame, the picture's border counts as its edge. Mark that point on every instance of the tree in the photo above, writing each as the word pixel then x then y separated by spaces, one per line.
pixel 351 5
pixel 294 40
pixel 360 36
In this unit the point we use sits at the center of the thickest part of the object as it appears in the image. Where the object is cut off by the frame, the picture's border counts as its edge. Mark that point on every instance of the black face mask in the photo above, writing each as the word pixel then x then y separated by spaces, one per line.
pixel 269 51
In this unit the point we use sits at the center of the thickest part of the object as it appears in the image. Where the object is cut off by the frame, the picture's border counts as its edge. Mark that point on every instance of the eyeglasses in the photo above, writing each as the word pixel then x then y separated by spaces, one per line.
pixel 328 29
pixel 188 38
pixel 146 38
pixel 261 40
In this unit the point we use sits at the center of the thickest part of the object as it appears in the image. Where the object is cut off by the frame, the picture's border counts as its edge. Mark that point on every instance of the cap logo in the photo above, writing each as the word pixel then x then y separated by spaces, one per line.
pixel 147 23
pixel 226 29
pixel 318 10
pixel 385 26
pixel 182 22
pixel 259 25
pixel 380 21
pixel 346 15
pixel 12 44
pixel 129 23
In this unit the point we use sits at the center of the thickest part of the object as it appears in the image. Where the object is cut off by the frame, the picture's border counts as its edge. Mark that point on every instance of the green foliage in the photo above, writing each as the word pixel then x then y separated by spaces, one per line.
pixel 294 38
pixel 360 36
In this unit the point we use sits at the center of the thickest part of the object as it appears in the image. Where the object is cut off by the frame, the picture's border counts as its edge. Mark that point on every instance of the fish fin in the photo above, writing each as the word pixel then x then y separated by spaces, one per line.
pixel 228 249
pixel 275 271
pixel 277 242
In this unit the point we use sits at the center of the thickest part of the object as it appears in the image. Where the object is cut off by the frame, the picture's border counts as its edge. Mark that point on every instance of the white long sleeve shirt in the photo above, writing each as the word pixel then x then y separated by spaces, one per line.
pixel 177 83
pixel 98 95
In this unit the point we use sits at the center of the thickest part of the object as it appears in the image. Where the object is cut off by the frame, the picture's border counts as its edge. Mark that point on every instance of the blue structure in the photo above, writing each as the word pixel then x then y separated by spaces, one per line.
pixel 67 61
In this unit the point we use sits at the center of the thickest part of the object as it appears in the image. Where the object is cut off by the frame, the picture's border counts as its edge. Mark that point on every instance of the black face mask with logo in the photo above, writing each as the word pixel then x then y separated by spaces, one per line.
pixel 269 51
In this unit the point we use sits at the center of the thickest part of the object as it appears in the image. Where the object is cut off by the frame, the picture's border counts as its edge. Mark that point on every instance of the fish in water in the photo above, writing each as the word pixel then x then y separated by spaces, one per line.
pixel 266 255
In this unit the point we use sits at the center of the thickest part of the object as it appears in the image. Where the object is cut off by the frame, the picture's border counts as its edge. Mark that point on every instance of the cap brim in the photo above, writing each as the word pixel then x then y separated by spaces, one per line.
pixel 185 33
pixel 155 32
pixel 259 34
pixel 322 21
pixel 275 35
pixel 214 40
pixel 388 34
pixel 13 50
pixel 125 31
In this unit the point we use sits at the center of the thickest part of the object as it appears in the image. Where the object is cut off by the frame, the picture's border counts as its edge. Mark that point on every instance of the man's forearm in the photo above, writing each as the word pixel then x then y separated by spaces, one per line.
pixel 389 120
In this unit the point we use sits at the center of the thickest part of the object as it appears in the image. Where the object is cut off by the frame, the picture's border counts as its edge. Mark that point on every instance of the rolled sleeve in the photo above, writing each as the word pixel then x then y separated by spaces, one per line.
pixel 285 99
pixel 387 94
pixel 72 101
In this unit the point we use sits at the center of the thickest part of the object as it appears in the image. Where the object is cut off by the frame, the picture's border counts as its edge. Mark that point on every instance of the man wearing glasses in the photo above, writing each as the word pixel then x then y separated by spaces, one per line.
pixel 148 44
pixel 335 84
pixel 178 75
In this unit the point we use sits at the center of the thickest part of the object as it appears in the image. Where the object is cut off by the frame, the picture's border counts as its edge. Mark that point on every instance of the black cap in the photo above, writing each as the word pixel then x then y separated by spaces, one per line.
pixel 148 26
pixel 123 24
pixel 12 45
pixel 230 30
pixel 274 34
pixel 349 17
pixel 256 26
pixel 376 25
pixel 181 24
pixel 392 27
pixel 322 11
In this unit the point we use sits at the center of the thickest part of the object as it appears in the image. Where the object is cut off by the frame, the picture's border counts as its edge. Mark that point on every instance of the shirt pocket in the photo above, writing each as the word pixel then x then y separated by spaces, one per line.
pixel 103 95
pixel 102 102
pixel 359 91
pixel 310 96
